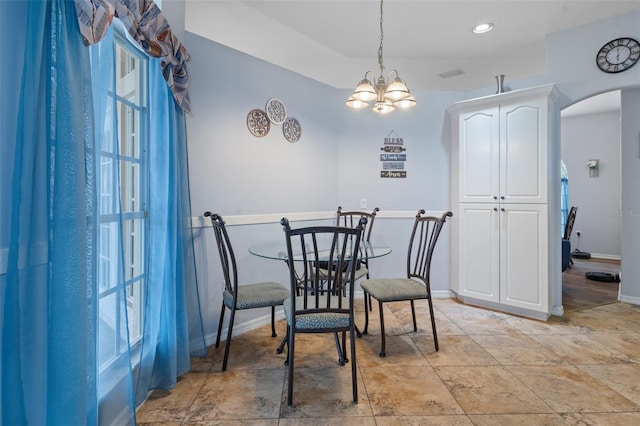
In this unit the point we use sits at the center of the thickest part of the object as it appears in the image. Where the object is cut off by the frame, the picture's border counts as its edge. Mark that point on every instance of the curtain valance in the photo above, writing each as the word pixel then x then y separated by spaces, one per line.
pixel 149 28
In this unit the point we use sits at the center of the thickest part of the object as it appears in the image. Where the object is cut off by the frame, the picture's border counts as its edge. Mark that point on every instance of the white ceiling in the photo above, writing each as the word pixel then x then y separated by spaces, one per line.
pixel 336 41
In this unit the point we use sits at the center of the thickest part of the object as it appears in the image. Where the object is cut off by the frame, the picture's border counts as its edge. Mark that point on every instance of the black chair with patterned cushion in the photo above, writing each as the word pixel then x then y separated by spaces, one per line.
pixel 321 301
pixel 237 296
pixel 416 285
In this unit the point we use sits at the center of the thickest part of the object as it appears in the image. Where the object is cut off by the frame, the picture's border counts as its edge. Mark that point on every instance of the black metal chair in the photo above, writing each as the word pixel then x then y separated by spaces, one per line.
pixel 321 300
pixel 239 297
pixel 566 238
pixel 416 285
pixel 351 220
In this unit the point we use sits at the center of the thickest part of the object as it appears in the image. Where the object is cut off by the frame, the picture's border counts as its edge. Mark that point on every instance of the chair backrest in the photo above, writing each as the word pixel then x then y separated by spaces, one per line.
pixel 225 252
pixel 351 219
pixel 571 219
pixel 425 233
pixel 311 248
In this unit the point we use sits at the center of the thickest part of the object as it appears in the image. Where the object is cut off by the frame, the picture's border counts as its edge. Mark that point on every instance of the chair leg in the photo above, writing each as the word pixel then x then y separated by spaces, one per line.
pixel 366 313
pixel 354 371
pixel 413 316
pixel 382 345
pixel 290 362
pixel 339 348
pixel 273 322
pixel 228 342
pixel 282 343
pixel 220 325
pixel 433 323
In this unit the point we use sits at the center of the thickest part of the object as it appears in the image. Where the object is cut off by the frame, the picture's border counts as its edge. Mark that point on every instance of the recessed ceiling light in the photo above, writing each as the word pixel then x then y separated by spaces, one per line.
pixel 483 28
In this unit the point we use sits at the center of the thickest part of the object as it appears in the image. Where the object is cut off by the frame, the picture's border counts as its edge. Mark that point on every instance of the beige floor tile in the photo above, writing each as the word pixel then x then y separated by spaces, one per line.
pixel 554 325
pixel 454 350
pixel 329 421
pixel 623 378
pixel 591 321
pixel 323 392
pixel 482 322
pixel 239 394
pixel 579 349
pixel 461 384
pixel 400 350
pixel 569 389
pixel 173 405
pixel 517 420
pixel 517 349
pixel 451 420
pixel 401 391
pixel 627 346
pixel 602 419
pixel 490 390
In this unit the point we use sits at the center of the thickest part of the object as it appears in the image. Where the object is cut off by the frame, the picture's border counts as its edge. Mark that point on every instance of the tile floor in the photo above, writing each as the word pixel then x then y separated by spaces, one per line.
pixel 492 369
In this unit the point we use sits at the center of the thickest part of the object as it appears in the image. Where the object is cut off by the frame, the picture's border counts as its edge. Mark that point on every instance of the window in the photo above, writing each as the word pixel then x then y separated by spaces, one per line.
pixel 123 201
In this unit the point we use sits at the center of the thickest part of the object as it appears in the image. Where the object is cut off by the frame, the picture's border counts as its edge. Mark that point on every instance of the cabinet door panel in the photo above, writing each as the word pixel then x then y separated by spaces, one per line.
pixel 524 256
pixel 523 153
pixel 479 155
pixel 479 245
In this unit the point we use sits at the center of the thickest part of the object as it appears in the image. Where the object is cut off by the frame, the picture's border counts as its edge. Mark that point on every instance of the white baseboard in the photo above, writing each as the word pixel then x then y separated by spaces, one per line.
pixel 629 299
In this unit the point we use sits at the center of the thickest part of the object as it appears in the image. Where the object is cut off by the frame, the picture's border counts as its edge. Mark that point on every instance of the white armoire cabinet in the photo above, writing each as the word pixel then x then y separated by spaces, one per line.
pixel 506 185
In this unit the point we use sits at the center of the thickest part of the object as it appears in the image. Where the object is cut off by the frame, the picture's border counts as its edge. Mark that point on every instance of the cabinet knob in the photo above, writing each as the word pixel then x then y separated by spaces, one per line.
pixel 495 209
pixel 495 197
pixel 502 197
pixel 502 209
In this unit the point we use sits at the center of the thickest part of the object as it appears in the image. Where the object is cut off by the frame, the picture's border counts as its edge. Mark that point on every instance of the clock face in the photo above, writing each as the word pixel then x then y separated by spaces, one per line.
pixel 618 55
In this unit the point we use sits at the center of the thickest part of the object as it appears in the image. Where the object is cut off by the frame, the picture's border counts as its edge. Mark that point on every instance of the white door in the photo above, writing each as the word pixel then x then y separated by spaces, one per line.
pixel 479 156
pixel 524 280
pixel 523 152
pixel 479 251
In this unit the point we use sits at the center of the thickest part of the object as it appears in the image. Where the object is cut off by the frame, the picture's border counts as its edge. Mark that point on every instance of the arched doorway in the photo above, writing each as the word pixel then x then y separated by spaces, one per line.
pixel 591 134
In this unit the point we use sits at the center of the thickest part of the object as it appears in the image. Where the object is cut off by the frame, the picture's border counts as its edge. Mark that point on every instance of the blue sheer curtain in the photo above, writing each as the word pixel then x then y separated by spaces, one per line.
pixel 48 302
pixel 49 310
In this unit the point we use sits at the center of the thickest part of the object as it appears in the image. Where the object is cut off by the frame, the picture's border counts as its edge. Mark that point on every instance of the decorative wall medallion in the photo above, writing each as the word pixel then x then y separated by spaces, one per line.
pixel 291 130
pixel 276 111
pixel 258 123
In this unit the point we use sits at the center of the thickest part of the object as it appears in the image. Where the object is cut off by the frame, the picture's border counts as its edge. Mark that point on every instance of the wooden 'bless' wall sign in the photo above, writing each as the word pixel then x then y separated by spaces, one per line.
pixel 393 157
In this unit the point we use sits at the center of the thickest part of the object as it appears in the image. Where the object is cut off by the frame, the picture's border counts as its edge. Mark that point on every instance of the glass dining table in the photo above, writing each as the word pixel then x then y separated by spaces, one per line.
pixel 278 251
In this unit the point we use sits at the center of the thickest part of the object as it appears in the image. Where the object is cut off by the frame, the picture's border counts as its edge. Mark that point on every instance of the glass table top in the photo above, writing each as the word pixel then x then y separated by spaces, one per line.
pixel 278 251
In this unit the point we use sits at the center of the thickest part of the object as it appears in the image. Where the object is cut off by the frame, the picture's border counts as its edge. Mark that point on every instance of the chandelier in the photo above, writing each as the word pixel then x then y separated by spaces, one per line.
pixel 387 97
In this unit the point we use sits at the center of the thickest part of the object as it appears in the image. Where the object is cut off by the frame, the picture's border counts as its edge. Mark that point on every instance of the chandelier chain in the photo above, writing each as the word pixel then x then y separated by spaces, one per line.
pixel 380 60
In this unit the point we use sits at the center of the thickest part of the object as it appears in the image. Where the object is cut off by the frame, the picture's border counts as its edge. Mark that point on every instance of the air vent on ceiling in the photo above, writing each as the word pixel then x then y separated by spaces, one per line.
pixel 451 73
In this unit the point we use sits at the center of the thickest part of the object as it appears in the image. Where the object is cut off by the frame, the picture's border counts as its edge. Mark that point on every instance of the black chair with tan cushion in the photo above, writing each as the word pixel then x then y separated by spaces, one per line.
pixel 321 301
pixel 416 285
pixel 237 296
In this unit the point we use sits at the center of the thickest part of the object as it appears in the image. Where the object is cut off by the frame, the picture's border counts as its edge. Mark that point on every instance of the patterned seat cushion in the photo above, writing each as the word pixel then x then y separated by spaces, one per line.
pixel 258 295
pixel 323 320
pixel 390 289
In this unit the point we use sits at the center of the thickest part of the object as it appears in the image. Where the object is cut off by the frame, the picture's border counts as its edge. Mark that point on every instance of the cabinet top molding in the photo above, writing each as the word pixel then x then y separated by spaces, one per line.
pixel 548 90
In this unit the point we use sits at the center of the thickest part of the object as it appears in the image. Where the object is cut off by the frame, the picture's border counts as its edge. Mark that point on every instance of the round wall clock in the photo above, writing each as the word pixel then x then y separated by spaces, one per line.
pixel 618 55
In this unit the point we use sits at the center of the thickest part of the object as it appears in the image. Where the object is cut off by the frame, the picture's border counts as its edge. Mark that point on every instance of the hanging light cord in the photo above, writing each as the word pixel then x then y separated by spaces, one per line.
pixel 380 60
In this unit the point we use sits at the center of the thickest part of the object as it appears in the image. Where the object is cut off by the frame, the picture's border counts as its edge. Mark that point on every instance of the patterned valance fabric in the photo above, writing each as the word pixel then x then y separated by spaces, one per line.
pixel 149 28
